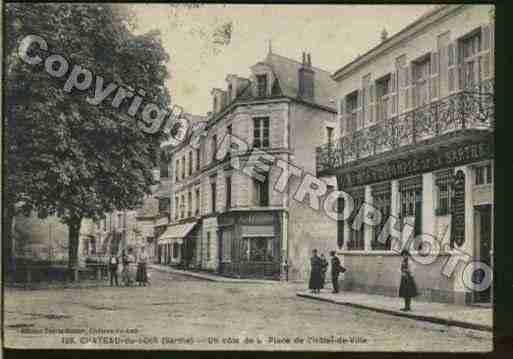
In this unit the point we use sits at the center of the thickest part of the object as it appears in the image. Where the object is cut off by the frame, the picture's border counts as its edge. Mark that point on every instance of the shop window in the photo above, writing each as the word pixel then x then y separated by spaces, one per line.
pixel 356 236
pixel 410 192
pixel 258 249
pixel 176 249
pixel 483 174
pixel 381 197
pixel 443 192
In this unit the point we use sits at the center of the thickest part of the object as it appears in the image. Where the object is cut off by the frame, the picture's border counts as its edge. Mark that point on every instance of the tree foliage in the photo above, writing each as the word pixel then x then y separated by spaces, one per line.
pixel 62 153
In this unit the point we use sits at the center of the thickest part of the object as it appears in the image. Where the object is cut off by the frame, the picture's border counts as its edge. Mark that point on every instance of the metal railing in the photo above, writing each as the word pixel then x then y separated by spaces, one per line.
pixel 469 109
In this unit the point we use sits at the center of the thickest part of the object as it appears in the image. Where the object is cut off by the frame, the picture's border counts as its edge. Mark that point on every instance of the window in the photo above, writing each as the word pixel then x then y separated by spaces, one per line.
pixel 177 171
pixel 164 167
pixel 197 202
pixel 182 207
pixel 215 103
pixel 177 207
pixel 443 192
pixel 214 147
pixel 183 167
pixel 229 134
pixel 190 163
pixel 120 220
pixel 189 202
pixel 261 85
pixel 483 174
pixel 213 190
pixel 208 246
pixel 470 48
pixel 381 197
pixel 226 245
pixel 230 95
pixel 261 132
pixel 421 79
pixel 383 90
pixel 228 192
pixel 410 192
pixel 258 249
pixel 164 204
pixel 356 238
pixel 197 159
pixel 104 223
pixel 329 135
pixel 262 192
pixel 351 107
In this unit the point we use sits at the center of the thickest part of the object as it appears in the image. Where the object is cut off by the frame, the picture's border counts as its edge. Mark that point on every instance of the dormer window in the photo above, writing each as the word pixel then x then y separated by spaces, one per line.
pixel 261 85
pixel 215 103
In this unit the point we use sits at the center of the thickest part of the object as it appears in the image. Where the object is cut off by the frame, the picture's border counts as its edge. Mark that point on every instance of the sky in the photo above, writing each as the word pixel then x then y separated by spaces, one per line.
pixel 333 34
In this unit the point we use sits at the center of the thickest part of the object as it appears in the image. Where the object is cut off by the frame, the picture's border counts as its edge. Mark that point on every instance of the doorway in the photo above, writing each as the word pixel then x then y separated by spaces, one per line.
pixel 483 231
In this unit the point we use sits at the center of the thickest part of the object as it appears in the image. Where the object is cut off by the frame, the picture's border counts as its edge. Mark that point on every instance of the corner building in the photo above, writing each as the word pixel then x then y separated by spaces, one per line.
pixel 416 116
pixel 239 226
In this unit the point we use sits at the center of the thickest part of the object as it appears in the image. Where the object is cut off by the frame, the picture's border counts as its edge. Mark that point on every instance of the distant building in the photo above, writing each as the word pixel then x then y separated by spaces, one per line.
pixel 416 118
pixel 224 220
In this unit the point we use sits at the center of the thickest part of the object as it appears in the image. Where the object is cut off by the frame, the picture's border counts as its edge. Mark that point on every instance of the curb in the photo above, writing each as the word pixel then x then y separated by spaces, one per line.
pixel 213 278
pixel 426 318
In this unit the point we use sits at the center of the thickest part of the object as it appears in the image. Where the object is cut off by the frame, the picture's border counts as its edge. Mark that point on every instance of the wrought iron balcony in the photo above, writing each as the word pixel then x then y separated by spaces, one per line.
pixel 469 109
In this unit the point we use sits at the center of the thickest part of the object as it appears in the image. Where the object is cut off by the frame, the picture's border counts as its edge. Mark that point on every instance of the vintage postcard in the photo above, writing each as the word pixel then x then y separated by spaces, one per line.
pixel 248 177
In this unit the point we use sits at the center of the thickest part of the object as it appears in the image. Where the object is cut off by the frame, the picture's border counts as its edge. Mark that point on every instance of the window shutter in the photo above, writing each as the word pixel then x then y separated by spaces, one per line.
pixel 434 76
pixel 407 88
pixel 443 64
pixel 413 91
pixel 341 113
pixel 486 52
pixel 452 61
pixel 359 119
pixel 393 94
pixel 372 102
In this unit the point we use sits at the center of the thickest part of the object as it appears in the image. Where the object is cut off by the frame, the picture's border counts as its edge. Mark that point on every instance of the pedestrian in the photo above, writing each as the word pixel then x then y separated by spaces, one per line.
pixel 324 269
pixel 336 269
pixel 125 274
pixel 141 276
pixel 315 273
pixel 407 287
pixel 113 269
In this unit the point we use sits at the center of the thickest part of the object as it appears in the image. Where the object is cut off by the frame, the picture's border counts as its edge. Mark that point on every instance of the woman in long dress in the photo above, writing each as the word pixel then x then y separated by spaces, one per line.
pixel 315 273
pixel 407 287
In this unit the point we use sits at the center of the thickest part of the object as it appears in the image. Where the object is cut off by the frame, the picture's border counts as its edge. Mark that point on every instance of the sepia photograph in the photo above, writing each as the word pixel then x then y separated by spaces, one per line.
pixel 248 177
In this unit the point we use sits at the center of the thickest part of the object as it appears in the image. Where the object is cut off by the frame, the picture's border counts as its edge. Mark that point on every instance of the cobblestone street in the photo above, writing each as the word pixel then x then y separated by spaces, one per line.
pixel 175 307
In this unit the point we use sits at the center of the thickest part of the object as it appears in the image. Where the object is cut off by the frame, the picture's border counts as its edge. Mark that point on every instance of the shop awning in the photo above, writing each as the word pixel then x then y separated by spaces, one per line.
pixel 176 233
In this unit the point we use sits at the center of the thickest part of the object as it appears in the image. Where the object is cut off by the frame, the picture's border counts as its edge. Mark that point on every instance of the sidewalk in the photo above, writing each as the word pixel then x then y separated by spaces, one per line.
pixel 440 313
pixel 210 276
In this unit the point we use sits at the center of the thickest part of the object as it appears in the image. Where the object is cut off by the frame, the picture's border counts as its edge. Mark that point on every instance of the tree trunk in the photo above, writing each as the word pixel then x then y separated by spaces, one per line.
pixel 7 240
pixel 74 236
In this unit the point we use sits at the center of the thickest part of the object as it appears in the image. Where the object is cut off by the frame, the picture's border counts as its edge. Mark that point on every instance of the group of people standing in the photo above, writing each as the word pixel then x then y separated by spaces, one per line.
pixel 319 267
pixel 129 261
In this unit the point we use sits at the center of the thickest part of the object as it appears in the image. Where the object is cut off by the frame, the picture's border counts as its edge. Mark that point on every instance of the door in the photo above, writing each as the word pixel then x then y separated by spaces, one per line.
pixel 484 247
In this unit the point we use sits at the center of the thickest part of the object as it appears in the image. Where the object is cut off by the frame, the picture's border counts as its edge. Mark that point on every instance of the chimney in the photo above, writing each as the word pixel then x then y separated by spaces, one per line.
pixel 384 35
pixel 306 78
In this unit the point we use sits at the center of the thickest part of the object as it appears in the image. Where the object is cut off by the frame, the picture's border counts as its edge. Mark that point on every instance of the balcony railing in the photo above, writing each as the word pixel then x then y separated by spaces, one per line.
pixel 469 109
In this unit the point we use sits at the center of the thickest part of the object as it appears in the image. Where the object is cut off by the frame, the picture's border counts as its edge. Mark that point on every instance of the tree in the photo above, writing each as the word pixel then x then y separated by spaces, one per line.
pixel 63 153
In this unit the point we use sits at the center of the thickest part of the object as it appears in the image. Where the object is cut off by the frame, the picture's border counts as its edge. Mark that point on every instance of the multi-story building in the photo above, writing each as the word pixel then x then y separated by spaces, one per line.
pixel 416 142
pixel 234 223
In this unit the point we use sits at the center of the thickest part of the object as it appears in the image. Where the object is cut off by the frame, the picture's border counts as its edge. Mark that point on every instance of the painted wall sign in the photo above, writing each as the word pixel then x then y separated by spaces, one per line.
pixel 458 210
pixel 420 162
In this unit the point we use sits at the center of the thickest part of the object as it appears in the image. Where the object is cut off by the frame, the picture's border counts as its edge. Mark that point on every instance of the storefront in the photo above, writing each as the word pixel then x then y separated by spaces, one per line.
pixel 442 189
pixel 249 244
pixel 177 243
